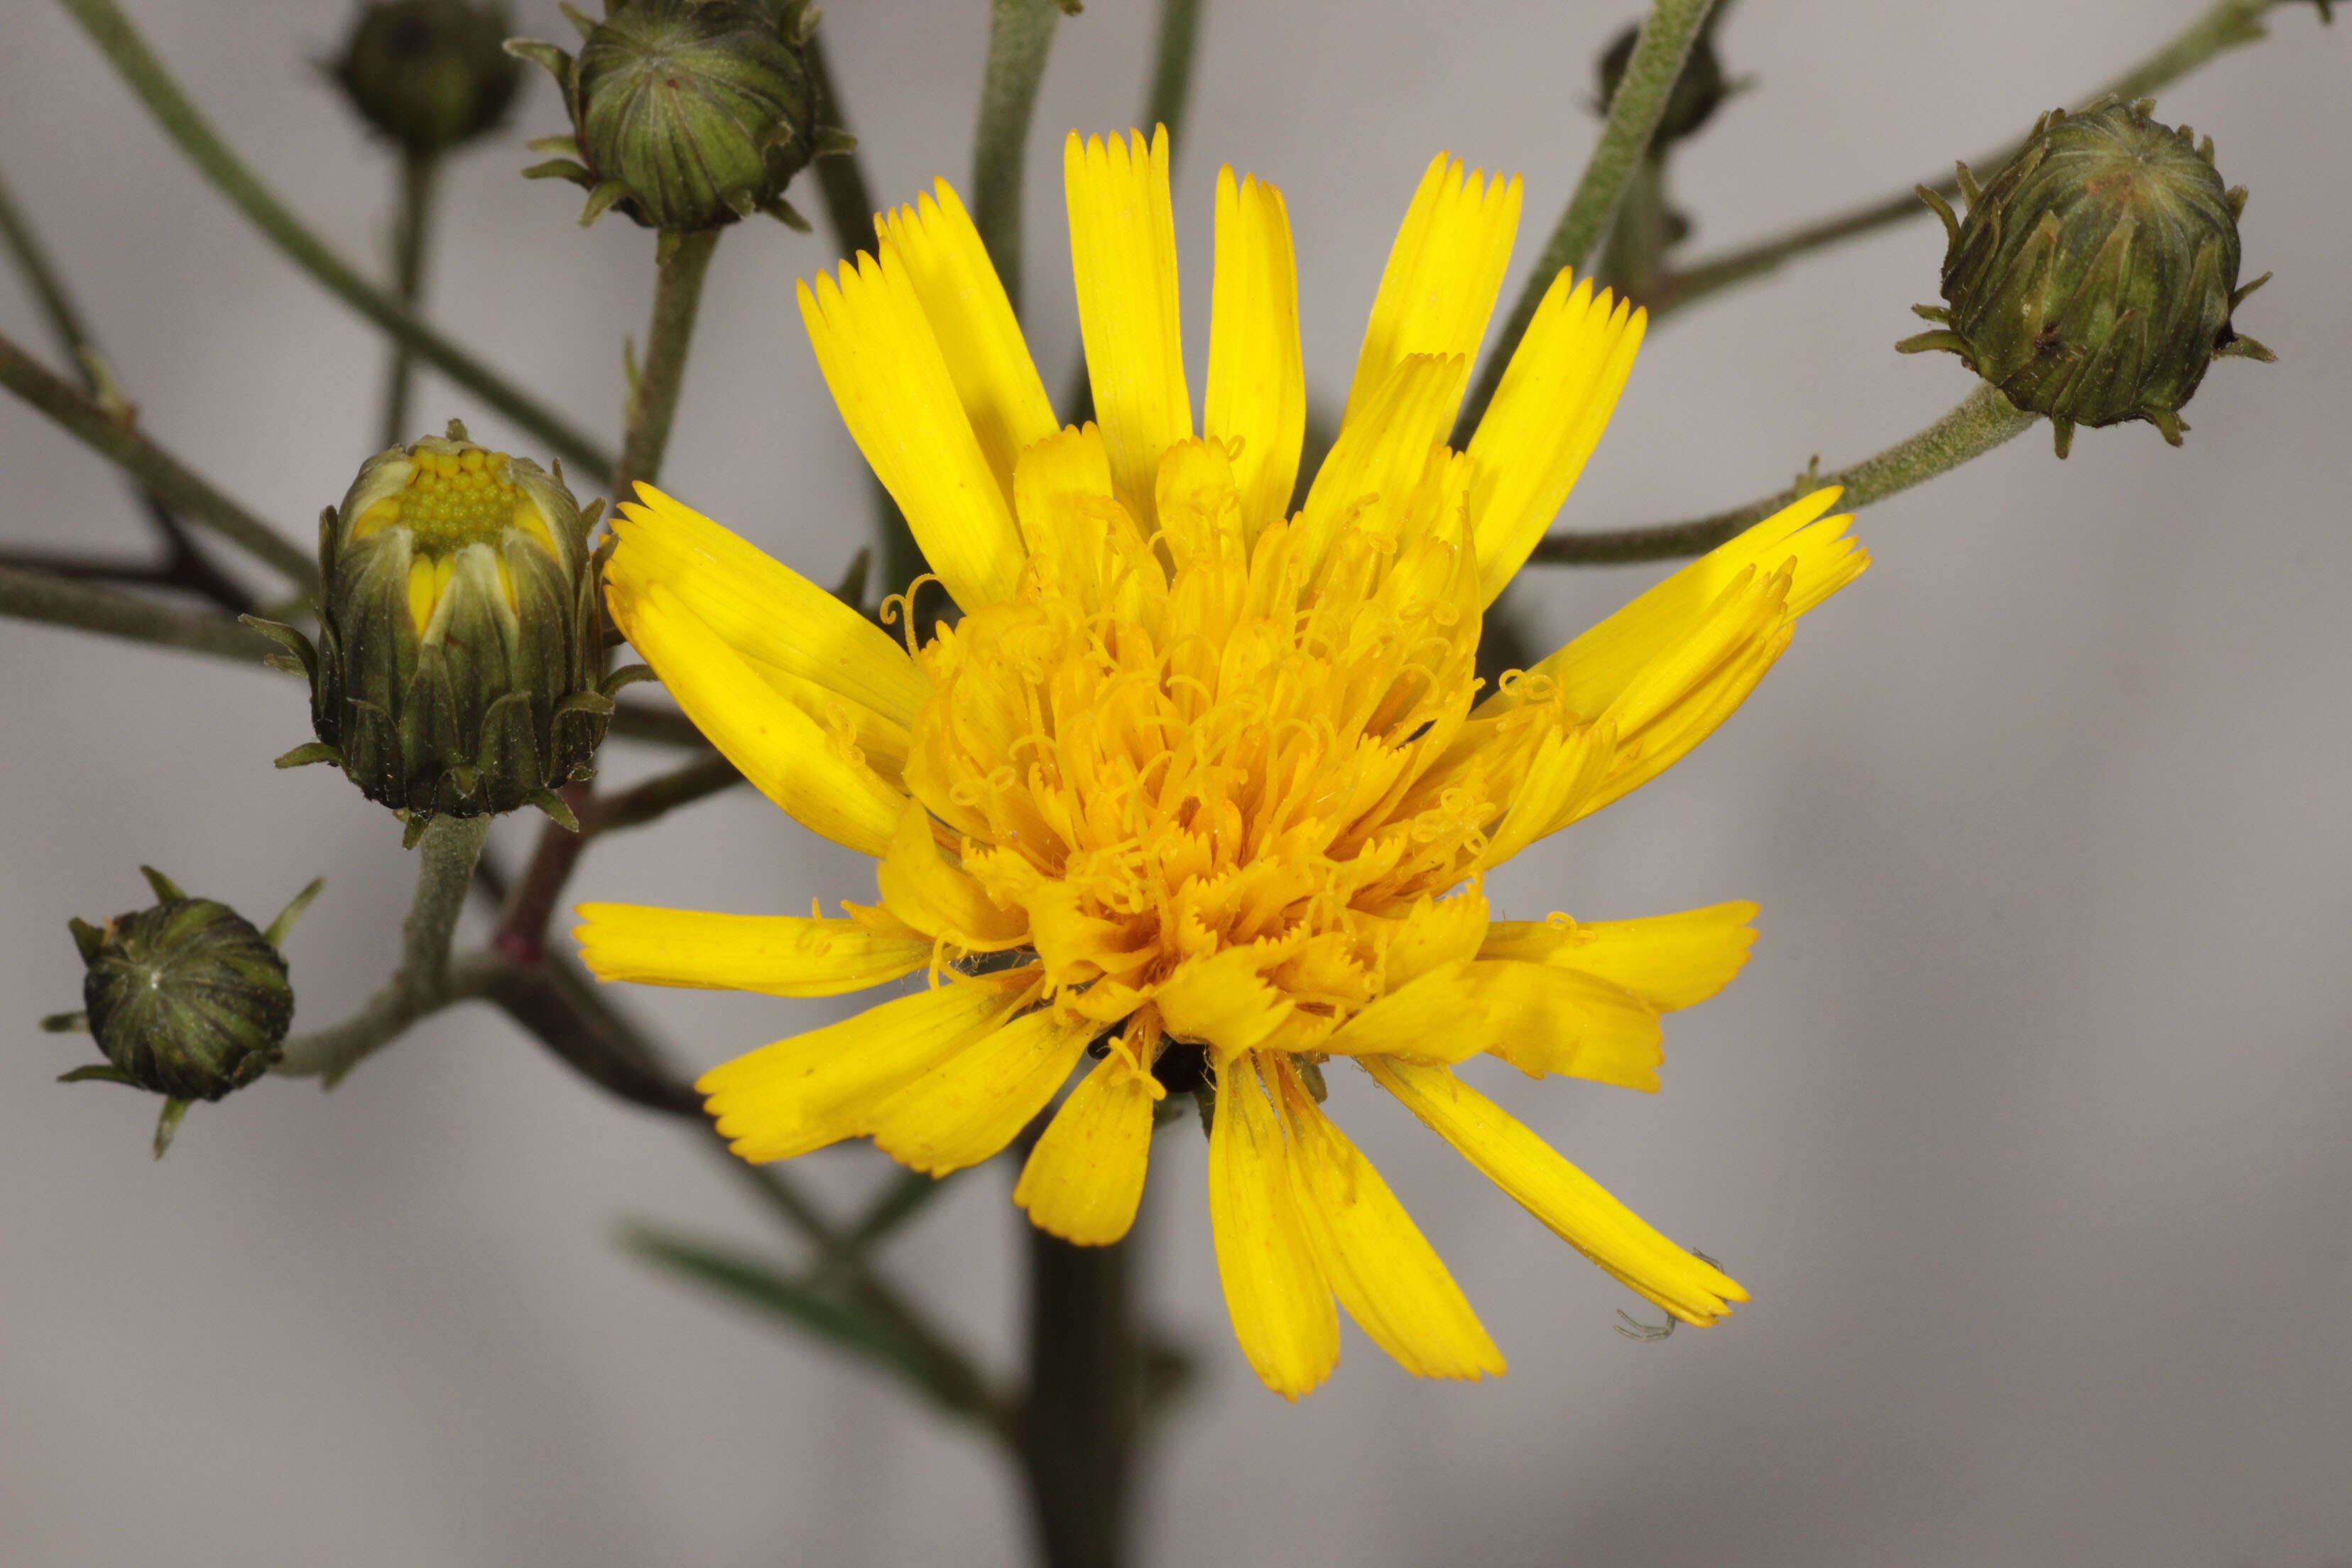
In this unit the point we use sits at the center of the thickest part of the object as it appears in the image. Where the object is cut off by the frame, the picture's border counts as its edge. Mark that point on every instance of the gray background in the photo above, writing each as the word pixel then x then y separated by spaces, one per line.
pixel 2026 1127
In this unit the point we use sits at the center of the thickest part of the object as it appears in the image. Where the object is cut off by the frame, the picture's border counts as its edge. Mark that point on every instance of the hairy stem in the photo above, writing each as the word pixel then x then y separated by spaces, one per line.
pixel 1984 420
pixel 413 225
pixel 426 981
pixel 652 407
pixel 109 431
pixel 32 595
pixel 2222 27
pixel 1078 1428
pixel 112 31
pixel 1020 35
pixel 1634 114
pixel 653 402
pixel 1172 69
pixel 184 565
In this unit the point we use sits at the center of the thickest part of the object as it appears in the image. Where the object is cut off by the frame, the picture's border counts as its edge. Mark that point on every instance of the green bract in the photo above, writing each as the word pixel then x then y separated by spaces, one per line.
pixel 430 74
pixel 460 637
pixel 2093 278
pixel 186 998
pixel 687 114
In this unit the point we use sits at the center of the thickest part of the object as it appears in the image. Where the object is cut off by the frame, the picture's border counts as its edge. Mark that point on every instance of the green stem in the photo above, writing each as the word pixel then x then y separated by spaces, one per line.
pixel 1984 419
pixel 1630 261
pixel 1020 35
pixel 653 402
pixel 1634 115
pixel 1172 69
pixel 2222 27
pixel 110 432
pixel 426 981
pixel 652 407
pixel 1077 1432
pixel 53 601
pixel 112 31
pixel 419 177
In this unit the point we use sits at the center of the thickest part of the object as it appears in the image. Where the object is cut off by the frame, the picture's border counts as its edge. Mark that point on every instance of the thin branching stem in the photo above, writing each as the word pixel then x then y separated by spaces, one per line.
pixel 1020 36
pixel 1171 70
pixel 1984 419
pixel 651 409
pixel 411 239
pixel 426 981
pixel 113 33
pixel 51 600
pixel 110 432
pixel 2220 28
pixel 1634 114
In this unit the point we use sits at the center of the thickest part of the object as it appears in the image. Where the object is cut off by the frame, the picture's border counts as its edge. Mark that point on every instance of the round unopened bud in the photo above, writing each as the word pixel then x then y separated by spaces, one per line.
pixel 2095 277
pixel 688 114
pixel 1697 94
pixel 430 74
pixel 186 998
pixel 460 637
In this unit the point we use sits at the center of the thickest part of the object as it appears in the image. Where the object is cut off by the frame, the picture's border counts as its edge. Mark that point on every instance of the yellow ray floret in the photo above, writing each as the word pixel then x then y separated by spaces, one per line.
pixel 972 321
pixel 883 364
pixel 1443 275
pixel 1123 259
pixel 1198 787
pixel 1258 377
pixel 784 956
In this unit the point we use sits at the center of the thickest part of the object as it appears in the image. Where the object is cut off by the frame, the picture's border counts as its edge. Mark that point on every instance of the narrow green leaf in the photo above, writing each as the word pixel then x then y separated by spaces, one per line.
pixel 824 1315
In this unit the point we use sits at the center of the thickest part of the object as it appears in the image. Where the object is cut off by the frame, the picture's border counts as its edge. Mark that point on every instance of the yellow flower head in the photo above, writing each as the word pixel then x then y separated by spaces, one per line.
pixel 1214 780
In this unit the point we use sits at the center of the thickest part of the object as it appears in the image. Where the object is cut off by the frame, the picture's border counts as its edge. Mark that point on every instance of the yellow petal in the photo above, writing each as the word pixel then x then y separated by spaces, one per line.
pixel 971 1105
pixel 1538 1018
pixel 1383 1271
pixel 819 1088
pixel 784 956
pixel 1547 414
pixel 939 898
pixel 1123 257
pixel 973 322
pixel 1085 1177
pixel 1435 931
pixel 900 403
pixel 1257 379
pixel 1382 452
pixel 1820 556
pixel 1671 962
pixel 1223 1001
pixel 1576 1207
pixel 784 753
pixel 1274 1289
pixel 763 609
pixel 1443 275
pixel 1068 508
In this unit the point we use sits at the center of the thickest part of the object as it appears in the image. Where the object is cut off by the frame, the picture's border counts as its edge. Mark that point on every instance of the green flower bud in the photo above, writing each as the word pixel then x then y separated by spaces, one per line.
pixel 186 998
pixel 430 74
pixel 687 114
pixel 460 637
pixel 2095 277
pixel 1697 94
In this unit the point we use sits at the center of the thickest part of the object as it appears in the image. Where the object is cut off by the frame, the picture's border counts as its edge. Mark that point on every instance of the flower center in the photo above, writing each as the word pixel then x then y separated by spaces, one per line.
pixel 1170 748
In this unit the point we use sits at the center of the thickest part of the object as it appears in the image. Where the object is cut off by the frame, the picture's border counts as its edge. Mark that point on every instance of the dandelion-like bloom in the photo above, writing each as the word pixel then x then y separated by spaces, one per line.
pixel 1210 785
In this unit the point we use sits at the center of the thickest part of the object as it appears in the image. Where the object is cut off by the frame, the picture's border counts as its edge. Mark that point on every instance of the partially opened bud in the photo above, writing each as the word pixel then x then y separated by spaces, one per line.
pixel 687 114
pixel 460 638
pixel 2095 277
pixel 430 74
pixel 186 998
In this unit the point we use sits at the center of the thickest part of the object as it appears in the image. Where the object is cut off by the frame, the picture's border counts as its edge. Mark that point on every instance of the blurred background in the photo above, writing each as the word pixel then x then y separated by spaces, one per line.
pixel 2026 1127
